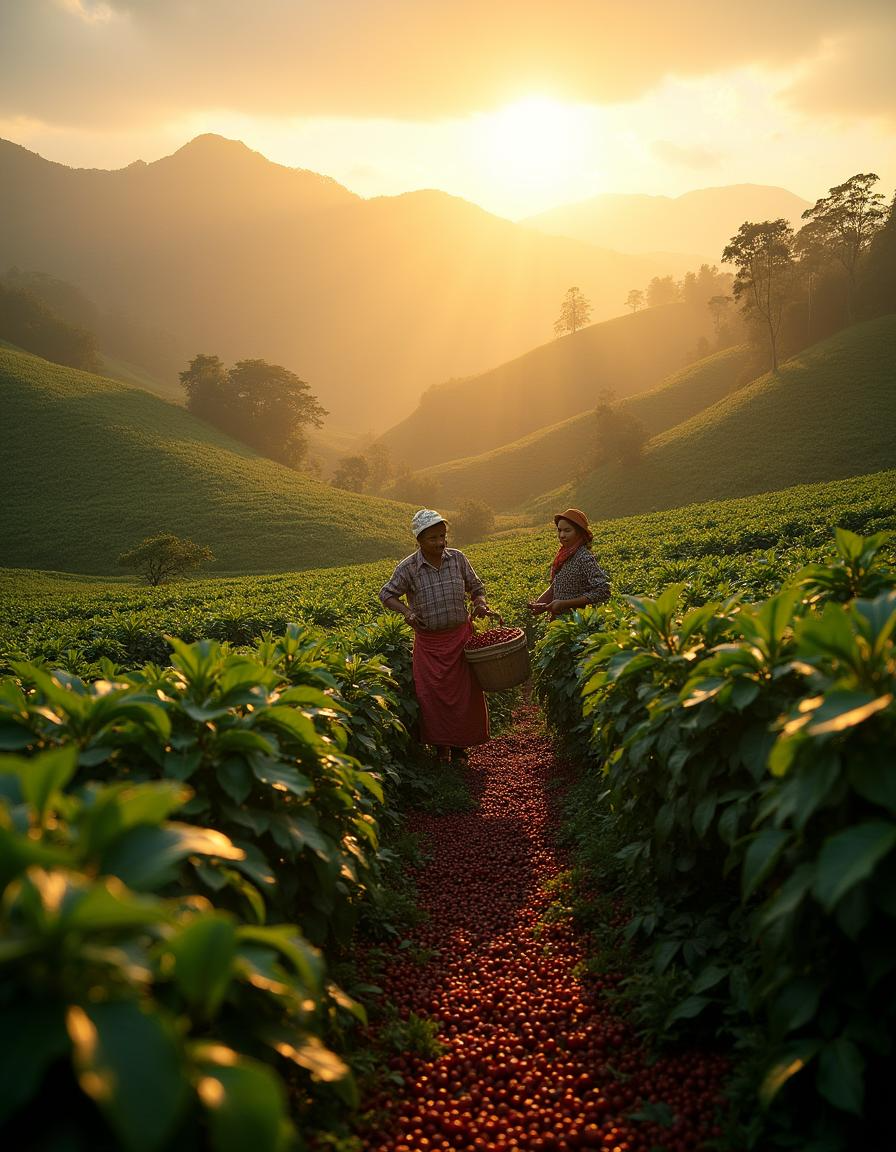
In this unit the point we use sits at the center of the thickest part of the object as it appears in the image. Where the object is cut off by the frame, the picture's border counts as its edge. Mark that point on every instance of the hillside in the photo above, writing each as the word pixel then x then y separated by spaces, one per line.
pixel 700 221
pixel 511 475
pixel 552 382
pixel 91 466
pixel 830 413
pixel 370 301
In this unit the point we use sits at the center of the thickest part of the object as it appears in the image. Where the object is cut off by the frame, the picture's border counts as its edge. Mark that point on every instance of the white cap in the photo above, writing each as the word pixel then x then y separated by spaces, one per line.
pixel 424 519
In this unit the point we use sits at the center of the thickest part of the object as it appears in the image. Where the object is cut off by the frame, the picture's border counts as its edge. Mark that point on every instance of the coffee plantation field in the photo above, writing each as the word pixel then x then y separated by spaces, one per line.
pixel 198 782
pixel 746 545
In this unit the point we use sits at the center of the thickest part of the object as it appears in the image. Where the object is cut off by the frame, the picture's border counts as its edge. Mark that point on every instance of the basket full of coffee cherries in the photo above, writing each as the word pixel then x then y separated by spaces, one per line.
pixel 499 657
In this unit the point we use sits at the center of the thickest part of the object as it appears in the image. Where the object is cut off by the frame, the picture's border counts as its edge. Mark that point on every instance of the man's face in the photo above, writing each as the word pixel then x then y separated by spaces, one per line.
pixel 432 540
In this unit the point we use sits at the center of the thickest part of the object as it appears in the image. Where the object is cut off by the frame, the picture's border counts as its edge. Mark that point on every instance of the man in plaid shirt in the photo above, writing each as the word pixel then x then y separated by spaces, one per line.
pixel 435 582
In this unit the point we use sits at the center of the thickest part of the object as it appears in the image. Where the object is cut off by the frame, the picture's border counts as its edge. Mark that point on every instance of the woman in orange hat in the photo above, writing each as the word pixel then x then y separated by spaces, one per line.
pixel 576 577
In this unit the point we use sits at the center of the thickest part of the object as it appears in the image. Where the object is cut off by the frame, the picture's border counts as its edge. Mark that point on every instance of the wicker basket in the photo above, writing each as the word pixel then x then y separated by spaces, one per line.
pixel 500 666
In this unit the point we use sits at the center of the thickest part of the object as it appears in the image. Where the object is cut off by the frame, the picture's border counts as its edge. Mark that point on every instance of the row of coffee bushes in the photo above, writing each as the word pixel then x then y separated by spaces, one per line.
pixel 179 848
pixel 738 795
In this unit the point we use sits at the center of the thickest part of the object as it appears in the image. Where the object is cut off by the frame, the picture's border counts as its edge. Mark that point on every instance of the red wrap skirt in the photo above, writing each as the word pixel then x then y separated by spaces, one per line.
pixel 452 705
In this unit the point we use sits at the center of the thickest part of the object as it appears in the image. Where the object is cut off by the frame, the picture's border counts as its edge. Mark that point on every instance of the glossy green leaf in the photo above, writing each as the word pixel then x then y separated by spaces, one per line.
pixel 791 1061
pixel 244 1102
pixel 146 857
pixel 42 776
pixel 841 1075
pixel 850 857
pixel 761 857
pixel 129 1062
pixel 204 954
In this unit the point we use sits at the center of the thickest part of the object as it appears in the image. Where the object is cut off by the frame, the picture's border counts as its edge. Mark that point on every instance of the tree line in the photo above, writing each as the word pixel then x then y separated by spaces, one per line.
pixel 796 288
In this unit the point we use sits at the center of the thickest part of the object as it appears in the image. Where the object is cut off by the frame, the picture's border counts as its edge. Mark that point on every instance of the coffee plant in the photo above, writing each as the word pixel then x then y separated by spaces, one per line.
pixel 737 792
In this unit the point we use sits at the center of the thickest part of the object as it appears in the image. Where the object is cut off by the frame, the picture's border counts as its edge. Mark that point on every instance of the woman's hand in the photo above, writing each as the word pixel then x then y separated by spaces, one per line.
pixel 536 606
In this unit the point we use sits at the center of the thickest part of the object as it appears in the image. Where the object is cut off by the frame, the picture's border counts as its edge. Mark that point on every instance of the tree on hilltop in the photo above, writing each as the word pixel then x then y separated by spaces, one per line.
pixel 844 222
pixel 575 311
pixel 264 405
pixel 164 556
pixel 763 256
pixel 635 299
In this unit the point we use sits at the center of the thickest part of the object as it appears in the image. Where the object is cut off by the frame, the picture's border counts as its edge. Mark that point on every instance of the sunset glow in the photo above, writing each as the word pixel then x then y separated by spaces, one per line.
pixel 535 142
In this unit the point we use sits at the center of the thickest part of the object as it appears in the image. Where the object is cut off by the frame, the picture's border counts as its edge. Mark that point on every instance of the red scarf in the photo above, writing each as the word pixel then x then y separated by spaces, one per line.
pixel 563 554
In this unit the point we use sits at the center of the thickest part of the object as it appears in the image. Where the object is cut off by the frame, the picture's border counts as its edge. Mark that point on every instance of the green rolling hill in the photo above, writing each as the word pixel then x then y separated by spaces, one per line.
pixel 829 413
pixel 91 466
pixel 509 476
pixel 549 384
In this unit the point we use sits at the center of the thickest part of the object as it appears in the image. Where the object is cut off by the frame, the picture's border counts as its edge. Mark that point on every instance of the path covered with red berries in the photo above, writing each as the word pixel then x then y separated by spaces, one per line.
pixel 534 1057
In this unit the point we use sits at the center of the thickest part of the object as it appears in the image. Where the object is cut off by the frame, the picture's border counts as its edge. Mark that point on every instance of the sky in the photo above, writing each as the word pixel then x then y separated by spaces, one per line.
pixel 517 106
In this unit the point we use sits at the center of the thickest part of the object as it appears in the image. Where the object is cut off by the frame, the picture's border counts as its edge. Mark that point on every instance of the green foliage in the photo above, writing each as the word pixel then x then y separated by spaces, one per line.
pixel 264 405
pixel 163 557
pixel 800 426
pixel 740 800
pixel 474 520
pixel 93 465
pixel 537 463
pixel 28 323
pixel 153 1019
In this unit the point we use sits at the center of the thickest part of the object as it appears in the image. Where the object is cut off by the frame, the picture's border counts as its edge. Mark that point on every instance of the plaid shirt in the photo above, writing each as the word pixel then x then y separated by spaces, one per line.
pixel 437 595
pixel 581 575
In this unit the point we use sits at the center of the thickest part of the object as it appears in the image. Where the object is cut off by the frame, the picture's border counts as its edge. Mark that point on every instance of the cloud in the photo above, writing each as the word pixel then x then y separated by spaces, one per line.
pixel 115 62
pixel 671 153
pixel 853 76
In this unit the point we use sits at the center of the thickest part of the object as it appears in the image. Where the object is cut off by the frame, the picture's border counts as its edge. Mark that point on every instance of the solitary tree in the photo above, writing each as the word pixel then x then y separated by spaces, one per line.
pixel 351 473
pixel 574 313
pixel 635 299
pixel 474 520
pixel 763 256
pixel 620 436
pixel 844 222
pixel 162 557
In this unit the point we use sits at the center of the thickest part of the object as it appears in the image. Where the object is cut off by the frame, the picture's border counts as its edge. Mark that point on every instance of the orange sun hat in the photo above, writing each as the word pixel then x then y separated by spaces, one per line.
pixel 576 516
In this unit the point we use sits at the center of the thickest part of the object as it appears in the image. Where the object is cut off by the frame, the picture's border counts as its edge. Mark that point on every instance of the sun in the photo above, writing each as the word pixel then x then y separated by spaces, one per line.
pixel 535 145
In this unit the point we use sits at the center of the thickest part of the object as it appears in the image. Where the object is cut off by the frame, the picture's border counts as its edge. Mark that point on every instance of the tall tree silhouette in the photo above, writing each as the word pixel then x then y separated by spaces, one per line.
pixel 763 256
pixel 575 312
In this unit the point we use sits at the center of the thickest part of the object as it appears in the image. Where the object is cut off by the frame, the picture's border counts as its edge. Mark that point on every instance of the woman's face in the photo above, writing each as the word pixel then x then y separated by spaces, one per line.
pixel 432 540
pixel 567 533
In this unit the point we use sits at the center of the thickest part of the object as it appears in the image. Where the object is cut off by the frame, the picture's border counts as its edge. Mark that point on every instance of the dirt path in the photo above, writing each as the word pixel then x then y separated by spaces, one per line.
pixel 534 1058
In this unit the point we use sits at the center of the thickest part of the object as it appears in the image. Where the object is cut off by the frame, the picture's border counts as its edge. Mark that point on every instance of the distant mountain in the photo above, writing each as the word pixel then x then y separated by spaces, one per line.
pixel 370 301
pixel 509 476
pixel 626 355
pixel 92 466
pixel 828 414
pixel 701 221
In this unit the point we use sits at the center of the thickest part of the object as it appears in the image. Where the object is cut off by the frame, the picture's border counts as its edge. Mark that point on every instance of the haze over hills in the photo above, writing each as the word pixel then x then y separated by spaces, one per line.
pixel 700 221
pixel 562 378
pixel 828 414
pixel 92 466
pixel 515 473
pixel 369 301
